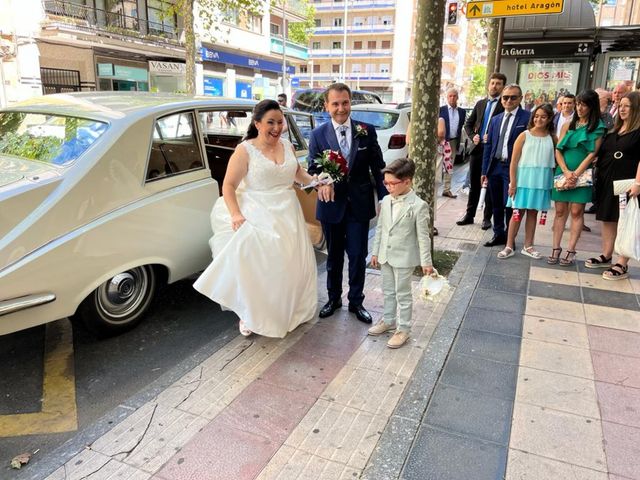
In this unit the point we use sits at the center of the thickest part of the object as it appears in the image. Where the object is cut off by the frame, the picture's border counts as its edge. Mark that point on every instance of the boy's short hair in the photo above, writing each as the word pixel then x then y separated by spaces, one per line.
pixel 401 168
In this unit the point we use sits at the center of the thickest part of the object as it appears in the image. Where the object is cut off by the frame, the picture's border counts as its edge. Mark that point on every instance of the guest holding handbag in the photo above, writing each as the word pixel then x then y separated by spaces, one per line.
pixel 578 145
pixel 617 160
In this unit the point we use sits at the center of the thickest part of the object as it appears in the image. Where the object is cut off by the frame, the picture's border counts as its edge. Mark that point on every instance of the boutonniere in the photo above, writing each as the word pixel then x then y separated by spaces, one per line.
pixel 361 130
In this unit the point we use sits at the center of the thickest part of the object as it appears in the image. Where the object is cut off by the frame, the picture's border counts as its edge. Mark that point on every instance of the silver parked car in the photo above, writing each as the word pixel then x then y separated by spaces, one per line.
pixel 105 195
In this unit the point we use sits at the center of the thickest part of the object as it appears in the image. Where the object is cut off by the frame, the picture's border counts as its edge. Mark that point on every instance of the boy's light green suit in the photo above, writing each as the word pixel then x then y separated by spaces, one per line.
pixel 400 246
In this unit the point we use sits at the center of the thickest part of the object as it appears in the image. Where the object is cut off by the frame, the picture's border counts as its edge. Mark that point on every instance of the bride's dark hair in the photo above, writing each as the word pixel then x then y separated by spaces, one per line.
pixel 259 111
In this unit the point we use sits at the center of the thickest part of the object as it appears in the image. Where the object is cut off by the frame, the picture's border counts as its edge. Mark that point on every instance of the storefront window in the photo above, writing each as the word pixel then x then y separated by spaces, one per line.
pixel 622 69
pixel 544 81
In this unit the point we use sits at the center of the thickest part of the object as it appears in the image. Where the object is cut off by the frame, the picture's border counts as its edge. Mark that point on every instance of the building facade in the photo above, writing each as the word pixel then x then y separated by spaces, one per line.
pixel 53 46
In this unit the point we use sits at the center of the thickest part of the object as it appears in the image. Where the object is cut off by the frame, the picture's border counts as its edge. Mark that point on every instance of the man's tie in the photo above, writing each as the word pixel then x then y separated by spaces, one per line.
pixel 485 119
pixel 503 132
pixel 344 144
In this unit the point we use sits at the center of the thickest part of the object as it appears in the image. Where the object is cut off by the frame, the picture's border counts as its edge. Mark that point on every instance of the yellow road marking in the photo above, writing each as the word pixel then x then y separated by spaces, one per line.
pixel 59 412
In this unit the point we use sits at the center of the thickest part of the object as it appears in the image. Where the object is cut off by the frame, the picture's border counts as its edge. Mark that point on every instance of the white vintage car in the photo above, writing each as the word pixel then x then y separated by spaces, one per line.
pixel 103 196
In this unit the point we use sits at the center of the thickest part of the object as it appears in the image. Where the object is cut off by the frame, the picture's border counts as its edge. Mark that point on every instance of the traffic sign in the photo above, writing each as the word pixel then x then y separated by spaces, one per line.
pixel 512 8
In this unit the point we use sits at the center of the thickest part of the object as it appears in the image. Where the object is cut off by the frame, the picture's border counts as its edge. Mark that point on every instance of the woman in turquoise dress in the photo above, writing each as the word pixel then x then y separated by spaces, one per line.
pixel 578 145
pixel 531 179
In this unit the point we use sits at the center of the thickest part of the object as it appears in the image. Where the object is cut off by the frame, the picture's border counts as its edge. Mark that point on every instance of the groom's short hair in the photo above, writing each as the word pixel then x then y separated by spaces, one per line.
pixel 338 87
pixel 401 168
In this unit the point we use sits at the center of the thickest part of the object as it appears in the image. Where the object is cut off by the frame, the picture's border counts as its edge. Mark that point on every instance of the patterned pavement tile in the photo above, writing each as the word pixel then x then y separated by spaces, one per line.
pixel 555 435
pixel 548 275
pixel 619 404
pixel 614 341
pixel 555 331
pixel 617 369
pixel 527 466
pixel 612 317
pixel 622 444
pixel 554 291
pixel 557 309
pixel 556 358
pixel 558 392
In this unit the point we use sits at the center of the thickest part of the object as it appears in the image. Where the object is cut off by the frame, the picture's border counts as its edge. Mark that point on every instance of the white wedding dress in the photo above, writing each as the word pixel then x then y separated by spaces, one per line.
pixel 265 271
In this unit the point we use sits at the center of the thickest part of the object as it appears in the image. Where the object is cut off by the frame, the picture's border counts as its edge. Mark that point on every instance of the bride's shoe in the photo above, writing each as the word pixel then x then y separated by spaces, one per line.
pixel 244 331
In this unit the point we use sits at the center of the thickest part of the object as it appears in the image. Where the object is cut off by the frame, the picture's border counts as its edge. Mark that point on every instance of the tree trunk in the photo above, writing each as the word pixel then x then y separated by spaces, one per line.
pixel 426 99
pixel 492 43
pixel 190 47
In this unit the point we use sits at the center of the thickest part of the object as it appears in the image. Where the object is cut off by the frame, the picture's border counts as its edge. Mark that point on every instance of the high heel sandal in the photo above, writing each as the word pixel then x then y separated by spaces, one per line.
pixel 553 259
pixel 569 259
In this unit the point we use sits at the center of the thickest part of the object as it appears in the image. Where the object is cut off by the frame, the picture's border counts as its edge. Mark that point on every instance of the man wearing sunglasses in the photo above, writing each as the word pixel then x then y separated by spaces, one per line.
pixel 502 134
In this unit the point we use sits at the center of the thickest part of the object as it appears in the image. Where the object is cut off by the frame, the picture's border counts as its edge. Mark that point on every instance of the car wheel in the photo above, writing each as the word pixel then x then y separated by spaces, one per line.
pixel 119 303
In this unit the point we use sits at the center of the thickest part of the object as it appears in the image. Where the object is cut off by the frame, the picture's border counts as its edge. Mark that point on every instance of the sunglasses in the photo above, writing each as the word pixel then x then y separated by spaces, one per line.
pixel 510 97
pixel 391 184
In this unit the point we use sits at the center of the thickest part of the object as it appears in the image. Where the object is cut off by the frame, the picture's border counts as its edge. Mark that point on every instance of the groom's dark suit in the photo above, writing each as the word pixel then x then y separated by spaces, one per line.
pixel 345 221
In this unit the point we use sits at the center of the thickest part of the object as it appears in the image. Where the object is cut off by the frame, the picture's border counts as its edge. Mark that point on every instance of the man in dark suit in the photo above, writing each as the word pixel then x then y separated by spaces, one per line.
pixel 503 131
pixel 476 128
pixel 453 117
pixel 345 220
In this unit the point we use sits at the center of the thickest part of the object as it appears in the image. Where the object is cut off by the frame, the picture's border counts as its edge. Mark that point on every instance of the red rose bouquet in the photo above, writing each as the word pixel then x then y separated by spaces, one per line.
pixel 333 165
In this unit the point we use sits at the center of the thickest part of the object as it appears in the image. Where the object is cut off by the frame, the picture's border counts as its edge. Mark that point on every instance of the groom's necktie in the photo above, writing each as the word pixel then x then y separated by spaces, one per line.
pixel 503 132
pixel 344 144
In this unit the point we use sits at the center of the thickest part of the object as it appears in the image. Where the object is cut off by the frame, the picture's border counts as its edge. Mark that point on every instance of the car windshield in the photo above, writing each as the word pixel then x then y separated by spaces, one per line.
pixel 54 139
pixel 380 120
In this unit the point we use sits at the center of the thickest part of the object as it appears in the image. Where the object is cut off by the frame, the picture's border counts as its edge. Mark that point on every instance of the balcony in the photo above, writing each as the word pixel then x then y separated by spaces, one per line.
pixel 337 53
pixel 292 49
pixel 363 77
pixel 329 6
pixel 355 30
pixel 98 21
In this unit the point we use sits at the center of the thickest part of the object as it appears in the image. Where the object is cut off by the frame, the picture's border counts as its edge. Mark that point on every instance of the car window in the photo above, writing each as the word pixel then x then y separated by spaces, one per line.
pixel 364 97
pixel 225 122
pixel 292 133
pixel 53 139
pixel 175 147
pixel 305 124
pixel 380 120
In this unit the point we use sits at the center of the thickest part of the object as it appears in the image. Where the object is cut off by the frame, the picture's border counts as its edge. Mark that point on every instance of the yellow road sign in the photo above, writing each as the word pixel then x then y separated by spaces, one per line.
pixel 59 413
pixel 511 8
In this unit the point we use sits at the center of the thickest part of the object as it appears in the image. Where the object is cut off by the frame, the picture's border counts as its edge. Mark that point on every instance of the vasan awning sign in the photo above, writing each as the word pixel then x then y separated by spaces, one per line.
pixel 511 8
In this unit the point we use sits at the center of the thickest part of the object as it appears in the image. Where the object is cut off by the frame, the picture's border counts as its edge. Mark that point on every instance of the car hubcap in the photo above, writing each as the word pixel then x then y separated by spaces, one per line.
pixel 124 293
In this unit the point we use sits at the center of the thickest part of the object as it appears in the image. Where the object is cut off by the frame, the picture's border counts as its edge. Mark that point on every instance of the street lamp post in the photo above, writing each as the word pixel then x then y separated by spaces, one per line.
pixel 311 73
pixel 284 48
pixel 344 45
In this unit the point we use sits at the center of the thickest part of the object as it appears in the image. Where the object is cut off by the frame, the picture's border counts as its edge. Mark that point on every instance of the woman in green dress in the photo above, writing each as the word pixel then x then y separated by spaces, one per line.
pixel 577 148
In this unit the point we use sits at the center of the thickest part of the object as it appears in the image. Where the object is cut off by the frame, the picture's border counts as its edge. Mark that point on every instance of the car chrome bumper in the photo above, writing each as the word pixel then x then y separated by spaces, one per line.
pixel 22 303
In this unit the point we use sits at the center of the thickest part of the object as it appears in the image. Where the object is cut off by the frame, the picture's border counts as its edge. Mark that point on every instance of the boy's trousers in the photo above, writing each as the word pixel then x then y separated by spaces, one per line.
pixel 398 301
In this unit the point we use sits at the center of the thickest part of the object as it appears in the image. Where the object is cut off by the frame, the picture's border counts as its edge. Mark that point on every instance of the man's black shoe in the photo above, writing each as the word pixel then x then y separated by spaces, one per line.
pixel 486 225
pixel 361 313
pixel 496 240
pixel 329 307
pixel 466 220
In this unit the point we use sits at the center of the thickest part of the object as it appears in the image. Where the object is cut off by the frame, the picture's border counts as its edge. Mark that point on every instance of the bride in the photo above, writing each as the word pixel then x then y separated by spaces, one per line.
pixel 263 267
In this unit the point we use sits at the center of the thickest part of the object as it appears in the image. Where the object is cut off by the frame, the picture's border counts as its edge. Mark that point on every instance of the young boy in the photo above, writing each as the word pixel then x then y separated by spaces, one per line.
pixel 401 243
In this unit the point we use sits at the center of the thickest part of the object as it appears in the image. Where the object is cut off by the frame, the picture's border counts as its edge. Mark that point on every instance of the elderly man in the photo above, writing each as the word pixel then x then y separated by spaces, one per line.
pixel 453 117
pixel 605 99
pixel 619 91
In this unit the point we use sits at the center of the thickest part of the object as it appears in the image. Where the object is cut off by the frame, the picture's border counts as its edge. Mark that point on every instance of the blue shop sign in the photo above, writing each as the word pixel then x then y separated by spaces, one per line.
pixel 295 82
pixel 243 90
pixel 213 86
pixel 224 57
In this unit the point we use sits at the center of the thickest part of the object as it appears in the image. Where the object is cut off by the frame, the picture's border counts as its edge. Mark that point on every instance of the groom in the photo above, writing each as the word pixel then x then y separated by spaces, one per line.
pixel 346 210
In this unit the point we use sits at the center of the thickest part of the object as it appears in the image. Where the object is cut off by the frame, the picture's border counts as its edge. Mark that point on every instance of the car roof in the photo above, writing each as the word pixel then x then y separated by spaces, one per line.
pixel 379 107
pixel 110 106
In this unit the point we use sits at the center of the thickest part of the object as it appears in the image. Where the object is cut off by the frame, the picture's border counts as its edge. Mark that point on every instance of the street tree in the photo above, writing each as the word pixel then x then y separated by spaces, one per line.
pixel 492 26
pixel 426 98
pixel 299 32
pixel 211 14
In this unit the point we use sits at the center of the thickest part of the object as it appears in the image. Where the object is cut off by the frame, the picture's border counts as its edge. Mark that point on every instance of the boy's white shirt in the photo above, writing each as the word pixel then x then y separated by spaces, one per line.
pixel 402 237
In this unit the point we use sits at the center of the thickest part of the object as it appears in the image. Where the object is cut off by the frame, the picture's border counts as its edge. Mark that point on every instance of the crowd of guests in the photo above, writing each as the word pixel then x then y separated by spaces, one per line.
pixel 571 156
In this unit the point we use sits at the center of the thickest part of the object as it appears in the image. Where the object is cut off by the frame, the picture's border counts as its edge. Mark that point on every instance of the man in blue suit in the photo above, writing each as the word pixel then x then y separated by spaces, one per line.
pixel 453 117
pixel 502 134
pixel 345 219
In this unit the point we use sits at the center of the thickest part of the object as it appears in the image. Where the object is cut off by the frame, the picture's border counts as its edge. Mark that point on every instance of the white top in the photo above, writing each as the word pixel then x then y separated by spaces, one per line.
pixel 454 120
pixel 561 121
pixel 337 127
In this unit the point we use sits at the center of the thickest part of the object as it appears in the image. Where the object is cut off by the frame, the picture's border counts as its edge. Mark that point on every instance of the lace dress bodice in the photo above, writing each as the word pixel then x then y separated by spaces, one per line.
pixel 264 174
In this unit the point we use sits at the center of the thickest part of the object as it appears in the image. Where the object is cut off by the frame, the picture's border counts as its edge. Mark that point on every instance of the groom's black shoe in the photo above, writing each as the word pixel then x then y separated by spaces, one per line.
pixel 329 307
pixel 361 313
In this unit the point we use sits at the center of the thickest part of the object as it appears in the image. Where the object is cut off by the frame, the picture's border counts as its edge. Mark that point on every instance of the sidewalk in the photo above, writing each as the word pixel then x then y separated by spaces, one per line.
pixel 525 371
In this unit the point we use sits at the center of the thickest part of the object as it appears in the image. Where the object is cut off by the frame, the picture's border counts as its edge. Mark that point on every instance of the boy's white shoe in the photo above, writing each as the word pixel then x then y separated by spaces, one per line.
pixel 398 339
pixel 381 327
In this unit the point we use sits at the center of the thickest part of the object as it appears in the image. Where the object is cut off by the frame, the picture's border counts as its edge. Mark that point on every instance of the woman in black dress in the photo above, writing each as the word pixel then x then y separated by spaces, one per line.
pixel 618 159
